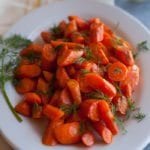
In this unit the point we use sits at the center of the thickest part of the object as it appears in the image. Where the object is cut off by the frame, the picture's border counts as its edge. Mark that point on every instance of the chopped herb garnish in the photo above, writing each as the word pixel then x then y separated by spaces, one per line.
pixel 69 109
pixel 82 127
pixel 142 47
pixel 89 54
pixel 56 32
pixel 97 95
pixel 59 47
pixel 139 116
pixel 84 71
pixel 80 60
pixel 9 50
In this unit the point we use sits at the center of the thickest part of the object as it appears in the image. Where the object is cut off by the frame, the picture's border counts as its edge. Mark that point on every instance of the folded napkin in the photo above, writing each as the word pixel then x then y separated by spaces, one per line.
pixel 19 9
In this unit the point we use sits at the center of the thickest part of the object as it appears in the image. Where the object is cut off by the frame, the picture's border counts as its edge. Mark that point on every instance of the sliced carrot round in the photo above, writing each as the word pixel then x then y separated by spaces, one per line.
pixel 117 71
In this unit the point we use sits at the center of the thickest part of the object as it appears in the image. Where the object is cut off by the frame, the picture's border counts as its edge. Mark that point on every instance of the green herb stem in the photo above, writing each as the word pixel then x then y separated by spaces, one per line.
pixel 9 104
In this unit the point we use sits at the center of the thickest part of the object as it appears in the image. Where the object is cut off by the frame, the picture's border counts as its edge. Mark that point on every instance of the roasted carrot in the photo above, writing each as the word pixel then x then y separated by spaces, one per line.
pixel 25 85
pixel 74 89
pixel 126 90
pixel 62 76
pixel 32 98
pixel 68 56
pixel 82 24
pixel 70 28
pixel 32 49
pixel 46 36
pixel 53 113
pixel 88 139
pixel 70 45
pixel 28 71
pixel 64 98
pixel 55 98
pixel 23 108
pixel 68 133
pixel 42 86
pixel 88 109
pixel 117 71
pixel 48 57
pixel 62 26
pixel 76 37
pixel 48 136
pixel 121 104
pixel 96 82
pixel 107 116
pixel 98 51
pixel 48 76
pixel 103 132
pixel 96 32
pixel 36 111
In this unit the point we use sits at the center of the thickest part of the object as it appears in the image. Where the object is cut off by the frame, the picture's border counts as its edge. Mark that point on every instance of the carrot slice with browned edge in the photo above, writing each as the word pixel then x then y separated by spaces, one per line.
pixel 48 57
pixel 48 136
pixel 48 76
pixel 23 108
pixel 73 87
pixel 68 133
pixel 32 98
pixel 52 112
pixel 88 138
pixel 103 132
pixel 117 71
pixel 25 85
pixel 107 116
pixel 88 109
pixel 28 71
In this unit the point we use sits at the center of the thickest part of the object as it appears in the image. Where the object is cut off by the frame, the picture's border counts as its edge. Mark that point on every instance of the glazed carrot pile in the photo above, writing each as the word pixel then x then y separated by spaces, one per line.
pixel 74 80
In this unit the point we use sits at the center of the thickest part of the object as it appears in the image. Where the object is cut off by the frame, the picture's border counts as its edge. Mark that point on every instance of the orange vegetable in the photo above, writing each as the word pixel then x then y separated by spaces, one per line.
pixel 32 98
pixel 77 38
pixel 98 51
pixel 48 136
pixel 117 71
pixel 42 86
pixel 53 113
pixel 33 48
pixel 96 82
pixel 68 133
pixel 46 36
pixel 107 116
pixel 48 57
pixel 28 71
pixel 48 76
pixel 96 32
pixel 64 98
pixel 70 28
pixel 62 25
pixel 124 54
pixel 62 76
pixel 121 104
pixel 36 111
pixel 68 56
pixel 55 98
pixel 23 108
pixel 88 139
pixel 103 132
pixel 88 109
pixel 70 45
pixel 79 21
pixel 73 87
pixel 25 85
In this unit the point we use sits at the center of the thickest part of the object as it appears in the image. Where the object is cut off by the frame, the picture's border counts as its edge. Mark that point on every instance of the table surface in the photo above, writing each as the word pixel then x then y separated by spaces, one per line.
pixel 140 10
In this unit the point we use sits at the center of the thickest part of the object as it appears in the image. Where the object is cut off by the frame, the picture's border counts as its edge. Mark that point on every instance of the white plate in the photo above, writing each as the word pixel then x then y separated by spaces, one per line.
pixel 27 135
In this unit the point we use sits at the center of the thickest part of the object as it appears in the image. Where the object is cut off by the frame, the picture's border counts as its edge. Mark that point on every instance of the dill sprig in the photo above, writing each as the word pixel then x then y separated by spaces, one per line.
pixel 69 109
pixel 9 49
pixel 139 116
pixel 97 95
